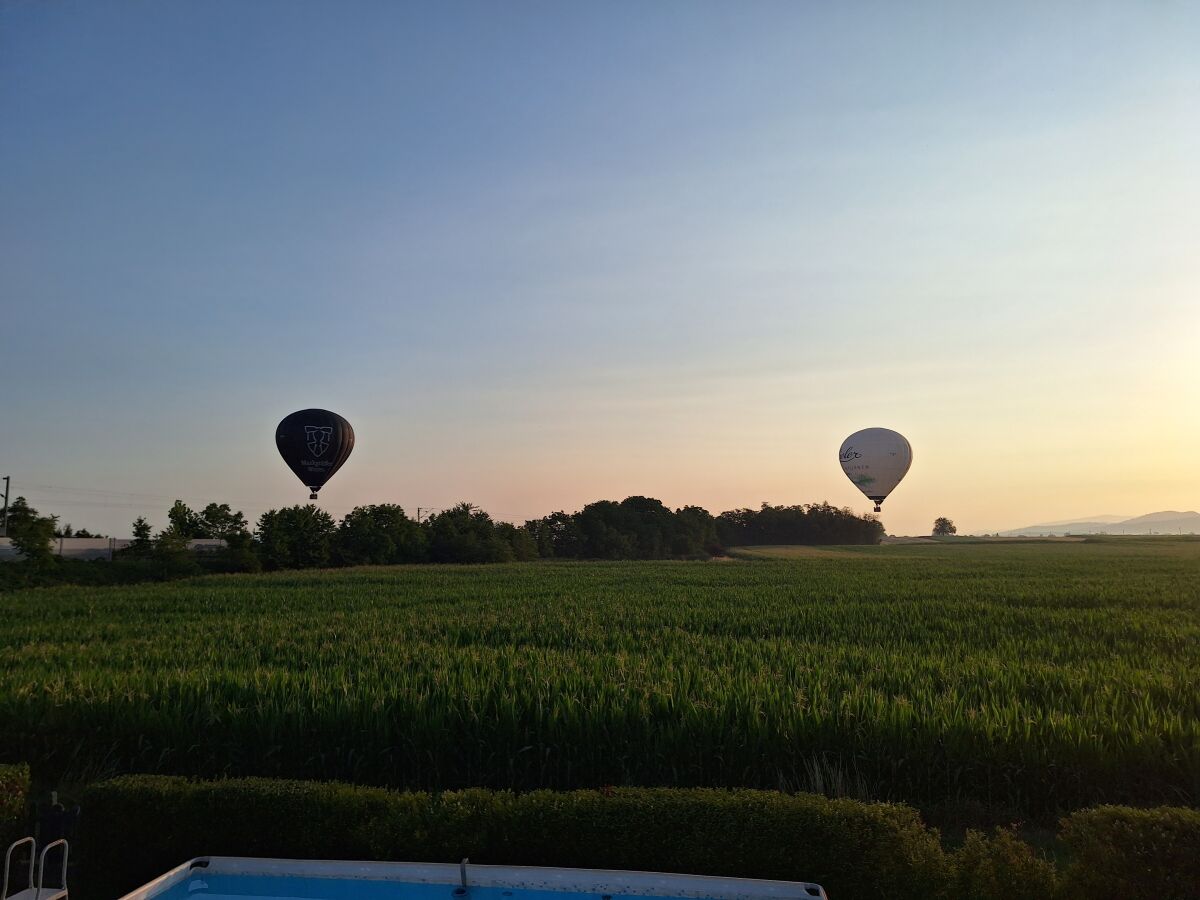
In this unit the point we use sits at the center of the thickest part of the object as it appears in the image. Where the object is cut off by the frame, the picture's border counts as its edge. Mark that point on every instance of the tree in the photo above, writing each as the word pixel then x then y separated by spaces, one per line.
pixel 31 534
pixel 185 523
pixel 220 521
pixel 295 537
pixel 696 532
pixel 379 535
pixel 943 526
pixel 650 525
pixel 171 555
pixel 141 546
pixel 556 535
pixel 524 547
pixel 466 534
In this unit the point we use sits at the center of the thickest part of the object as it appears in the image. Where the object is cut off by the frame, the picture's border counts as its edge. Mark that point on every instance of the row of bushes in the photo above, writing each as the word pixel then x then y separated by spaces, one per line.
pixel 855 850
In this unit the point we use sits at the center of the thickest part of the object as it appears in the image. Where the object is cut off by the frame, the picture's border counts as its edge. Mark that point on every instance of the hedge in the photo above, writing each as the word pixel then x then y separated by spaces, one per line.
pixel 858 851
pixel 998 868
pixel 1119 851
pixel 853 849
pixel 14 803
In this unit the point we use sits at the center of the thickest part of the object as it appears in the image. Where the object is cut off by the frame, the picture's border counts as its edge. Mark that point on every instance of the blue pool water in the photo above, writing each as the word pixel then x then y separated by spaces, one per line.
pixel 293 887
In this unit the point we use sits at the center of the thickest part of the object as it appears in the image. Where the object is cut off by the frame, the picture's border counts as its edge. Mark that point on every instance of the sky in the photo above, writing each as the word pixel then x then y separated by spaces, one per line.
pixel 541 254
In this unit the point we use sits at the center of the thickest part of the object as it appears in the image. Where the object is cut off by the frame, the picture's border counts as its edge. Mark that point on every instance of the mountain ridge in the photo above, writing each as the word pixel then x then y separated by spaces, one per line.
pixel 1169 521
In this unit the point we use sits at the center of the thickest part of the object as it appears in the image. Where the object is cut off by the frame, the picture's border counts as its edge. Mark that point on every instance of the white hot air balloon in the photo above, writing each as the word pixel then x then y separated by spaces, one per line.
pixel 875 459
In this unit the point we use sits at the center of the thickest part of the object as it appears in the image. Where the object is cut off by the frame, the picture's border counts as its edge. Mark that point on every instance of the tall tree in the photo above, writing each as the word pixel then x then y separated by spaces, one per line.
pixel 695 532
pixel 31 533
pixel 220 521
pixel 295 537
pixel 142 545
pixel 184 522
pixel 465 533
pixel 556 535
pixel 379 535
pixel 524 547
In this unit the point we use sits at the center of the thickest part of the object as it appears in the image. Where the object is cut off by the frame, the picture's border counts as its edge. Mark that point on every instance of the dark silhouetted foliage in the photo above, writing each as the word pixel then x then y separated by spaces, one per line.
pixel 31 533
pixel 812 523
pixel 854 849
pixel 635 528
pixel 295 537
pixel 379 535
pixel 300 537
pixel 466 534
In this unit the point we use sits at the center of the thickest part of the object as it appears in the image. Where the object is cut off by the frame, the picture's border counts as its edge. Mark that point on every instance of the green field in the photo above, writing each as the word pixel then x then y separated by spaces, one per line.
pixel 1025 677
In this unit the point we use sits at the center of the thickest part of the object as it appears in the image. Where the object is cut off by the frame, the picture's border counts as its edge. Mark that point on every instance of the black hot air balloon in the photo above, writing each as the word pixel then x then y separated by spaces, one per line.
pixel 314 443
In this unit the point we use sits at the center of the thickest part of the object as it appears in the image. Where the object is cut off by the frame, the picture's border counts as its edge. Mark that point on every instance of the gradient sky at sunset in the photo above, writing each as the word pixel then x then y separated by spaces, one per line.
pixel 546 253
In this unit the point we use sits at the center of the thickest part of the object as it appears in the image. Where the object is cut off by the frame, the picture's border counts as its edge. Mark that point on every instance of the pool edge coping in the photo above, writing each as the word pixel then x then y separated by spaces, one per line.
pixel 545 878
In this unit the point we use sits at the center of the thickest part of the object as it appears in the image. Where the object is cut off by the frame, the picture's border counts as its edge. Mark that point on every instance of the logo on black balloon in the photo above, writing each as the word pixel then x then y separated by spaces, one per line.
pixel 318 437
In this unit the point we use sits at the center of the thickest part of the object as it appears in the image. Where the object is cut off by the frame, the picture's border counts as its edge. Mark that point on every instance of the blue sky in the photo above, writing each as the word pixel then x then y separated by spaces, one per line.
pixel 541 253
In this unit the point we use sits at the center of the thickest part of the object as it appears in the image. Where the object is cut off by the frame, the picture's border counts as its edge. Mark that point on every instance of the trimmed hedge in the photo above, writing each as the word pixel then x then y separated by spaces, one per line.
pixel 14 803
pixel 1119 851
pixel 856 850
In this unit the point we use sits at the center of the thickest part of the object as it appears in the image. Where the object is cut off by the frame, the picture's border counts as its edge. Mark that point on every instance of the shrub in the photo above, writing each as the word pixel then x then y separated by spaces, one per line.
pixel 991 869
pixel 170 819
pixel 1123 852
pixel 14 803
pixel 854 849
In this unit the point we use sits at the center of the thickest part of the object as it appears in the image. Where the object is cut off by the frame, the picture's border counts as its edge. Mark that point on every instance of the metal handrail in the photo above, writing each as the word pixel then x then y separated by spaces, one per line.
pixel 42 867
pixel 8 861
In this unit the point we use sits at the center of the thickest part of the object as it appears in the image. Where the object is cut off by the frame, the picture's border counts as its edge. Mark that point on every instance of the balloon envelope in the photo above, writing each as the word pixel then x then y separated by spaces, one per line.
pixel 314 443
pixel 875 459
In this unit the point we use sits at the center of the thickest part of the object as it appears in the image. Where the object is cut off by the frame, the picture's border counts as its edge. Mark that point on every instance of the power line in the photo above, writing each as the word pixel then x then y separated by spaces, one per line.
pixel 100 493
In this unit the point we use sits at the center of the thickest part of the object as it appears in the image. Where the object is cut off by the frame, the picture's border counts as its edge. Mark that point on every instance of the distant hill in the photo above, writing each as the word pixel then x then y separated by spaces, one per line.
pixel 1108 520
pixel 1165 522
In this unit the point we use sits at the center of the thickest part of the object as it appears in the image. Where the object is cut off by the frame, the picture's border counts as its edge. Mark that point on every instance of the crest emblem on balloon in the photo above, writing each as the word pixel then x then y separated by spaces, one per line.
pixel 318 438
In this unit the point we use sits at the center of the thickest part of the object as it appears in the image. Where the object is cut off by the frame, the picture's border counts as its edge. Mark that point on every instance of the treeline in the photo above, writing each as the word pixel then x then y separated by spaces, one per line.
pixel 300 537
pixel 634 528
pixel 812 523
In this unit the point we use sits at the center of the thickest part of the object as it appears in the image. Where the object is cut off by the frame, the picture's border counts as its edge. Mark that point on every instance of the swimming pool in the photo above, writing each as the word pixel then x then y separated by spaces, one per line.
pixel 239 878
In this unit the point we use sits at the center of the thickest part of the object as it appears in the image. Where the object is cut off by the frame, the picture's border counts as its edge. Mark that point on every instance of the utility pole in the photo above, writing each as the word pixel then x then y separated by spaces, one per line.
pixel 4 521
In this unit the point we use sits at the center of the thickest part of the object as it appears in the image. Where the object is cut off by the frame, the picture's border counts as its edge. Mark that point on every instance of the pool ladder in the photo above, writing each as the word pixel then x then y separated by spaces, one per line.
pixel 38 891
